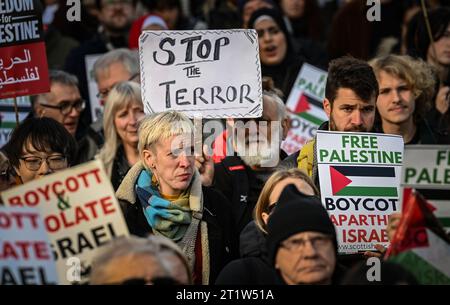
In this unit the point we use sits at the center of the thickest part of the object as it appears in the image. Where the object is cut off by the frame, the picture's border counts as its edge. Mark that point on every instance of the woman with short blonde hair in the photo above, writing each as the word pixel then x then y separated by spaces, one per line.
pixel 162 194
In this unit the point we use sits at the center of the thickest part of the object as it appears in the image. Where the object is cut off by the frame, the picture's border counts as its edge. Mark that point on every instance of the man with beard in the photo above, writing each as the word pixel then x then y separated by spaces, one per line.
pixel 115 19
pixel 256 142
pixel 350 96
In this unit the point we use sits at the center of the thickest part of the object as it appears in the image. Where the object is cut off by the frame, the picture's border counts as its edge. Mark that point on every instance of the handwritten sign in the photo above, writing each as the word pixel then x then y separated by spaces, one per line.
pixel 80 213
pixel 305 106
pixel 360 177
pixel 209 74
pixel 25 254
pixel 23 61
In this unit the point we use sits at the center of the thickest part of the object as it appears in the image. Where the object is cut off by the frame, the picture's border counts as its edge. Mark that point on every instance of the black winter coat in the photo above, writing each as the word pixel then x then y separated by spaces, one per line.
pixel 254 267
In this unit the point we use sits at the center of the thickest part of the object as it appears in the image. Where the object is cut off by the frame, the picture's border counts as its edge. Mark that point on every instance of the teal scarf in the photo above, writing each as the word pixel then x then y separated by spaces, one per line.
pixel 170 219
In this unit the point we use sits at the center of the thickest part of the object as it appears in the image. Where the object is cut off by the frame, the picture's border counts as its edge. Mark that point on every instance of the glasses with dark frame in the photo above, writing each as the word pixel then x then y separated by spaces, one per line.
pixel 65 107
pixel 298 245
pixel 104 93
pixel 33 163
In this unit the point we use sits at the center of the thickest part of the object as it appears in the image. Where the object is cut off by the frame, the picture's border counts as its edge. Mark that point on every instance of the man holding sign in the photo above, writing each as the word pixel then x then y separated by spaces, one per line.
pixel 350 95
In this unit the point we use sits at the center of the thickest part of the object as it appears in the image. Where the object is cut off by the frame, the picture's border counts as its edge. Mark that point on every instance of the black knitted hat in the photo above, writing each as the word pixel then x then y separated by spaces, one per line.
pixel 295 213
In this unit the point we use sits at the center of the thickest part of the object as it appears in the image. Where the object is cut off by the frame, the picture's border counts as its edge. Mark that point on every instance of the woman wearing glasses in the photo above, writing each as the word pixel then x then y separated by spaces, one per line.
pixel 253 248
pixel 39 147
pixel 123 110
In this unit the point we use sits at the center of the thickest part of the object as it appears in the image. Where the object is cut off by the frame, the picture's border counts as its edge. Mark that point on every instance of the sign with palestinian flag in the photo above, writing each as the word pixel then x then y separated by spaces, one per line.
pixel 427 168
pixel 359 176
pixel 420 244
pixel 305 107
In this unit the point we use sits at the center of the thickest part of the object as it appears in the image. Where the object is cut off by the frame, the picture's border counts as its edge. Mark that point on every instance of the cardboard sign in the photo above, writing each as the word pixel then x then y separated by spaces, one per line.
pixel 96 108
pixel 80 214
pixel 208 74
pixel 305 107
pixel 359 176
pixel 427 168
pixel 23 61
pixel 8 116
pixel 25 254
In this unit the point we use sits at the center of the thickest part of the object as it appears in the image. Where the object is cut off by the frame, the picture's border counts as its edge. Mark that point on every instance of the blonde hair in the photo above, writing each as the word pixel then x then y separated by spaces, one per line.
pixel 263 201
pixel 161 126
pixel 122 95
pixel 415 72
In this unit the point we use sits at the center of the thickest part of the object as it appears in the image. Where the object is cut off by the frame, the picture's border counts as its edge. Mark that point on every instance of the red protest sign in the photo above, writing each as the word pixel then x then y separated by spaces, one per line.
pixel 23 70
pixel 23 61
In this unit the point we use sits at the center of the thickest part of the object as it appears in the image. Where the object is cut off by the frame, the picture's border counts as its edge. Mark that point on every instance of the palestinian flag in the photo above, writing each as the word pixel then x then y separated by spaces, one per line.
pixel 367 181
pixel 420 244
pixel 440 200
pixel 309 109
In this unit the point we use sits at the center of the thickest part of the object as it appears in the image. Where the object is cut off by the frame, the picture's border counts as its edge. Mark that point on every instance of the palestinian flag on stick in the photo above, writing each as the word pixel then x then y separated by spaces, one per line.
pixel 362 181
pixel 440 201
pixel 420 244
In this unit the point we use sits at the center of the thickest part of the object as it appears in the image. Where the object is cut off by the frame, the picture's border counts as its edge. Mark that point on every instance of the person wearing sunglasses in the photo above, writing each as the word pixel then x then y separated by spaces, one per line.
pixel 63 103
pixel 254 268
pixel 39 147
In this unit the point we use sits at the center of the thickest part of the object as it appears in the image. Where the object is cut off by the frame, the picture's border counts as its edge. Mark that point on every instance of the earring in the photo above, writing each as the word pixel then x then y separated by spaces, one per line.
pixel 155 182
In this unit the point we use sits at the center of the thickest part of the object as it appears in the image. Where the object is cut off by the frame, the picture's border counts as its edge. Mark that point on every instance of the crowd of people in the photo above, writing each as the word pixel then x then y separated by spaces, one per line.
pixel 228 219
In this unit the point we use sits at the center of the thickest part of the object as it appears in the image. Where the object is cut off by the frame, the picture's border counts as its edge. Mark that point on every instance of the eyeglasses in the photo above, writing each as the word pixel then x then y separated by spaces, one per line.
pixel 298 245
pixel 65 107
pixel 104 93
pixel 33 163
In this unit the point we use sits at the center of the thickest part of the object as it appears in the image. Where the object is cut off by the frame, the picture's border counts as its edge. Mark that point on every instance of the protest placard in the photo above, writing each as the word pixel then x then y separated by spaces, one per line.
pixel 23 61
pixel 80 214
pixel 8 115
pixel 25 254
pixel 208 74
pixel 427 168
pixel 359 176
pixel 96 108
pixel 305 107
